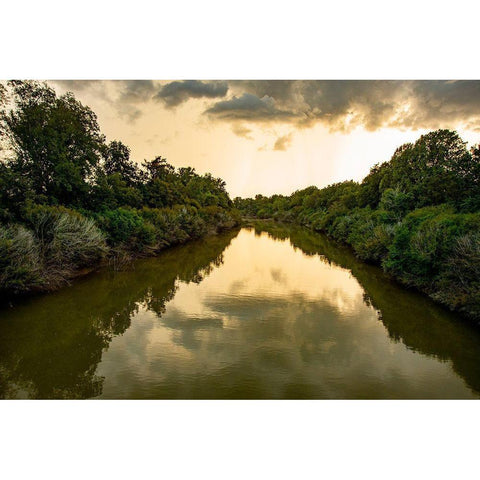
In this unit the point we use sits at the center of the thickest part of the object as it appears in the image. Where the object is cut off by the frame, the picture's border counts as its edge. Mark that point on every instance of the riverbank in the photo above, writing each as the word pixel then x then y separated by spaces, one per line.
pixel 416 215
pixel 70 200
pixel 440 297
pixel 56 245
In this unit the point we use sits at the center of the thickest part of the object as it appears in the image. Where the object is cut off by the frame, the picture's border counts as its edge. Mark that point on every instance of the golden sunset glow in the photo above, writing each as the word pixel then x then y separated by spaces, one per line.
pixel 276 136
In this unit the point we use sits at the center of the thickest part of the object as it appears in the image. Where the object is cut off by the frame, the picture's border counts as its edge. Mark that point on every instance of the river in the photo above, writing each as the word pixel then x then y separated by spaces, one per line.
pixel 263 312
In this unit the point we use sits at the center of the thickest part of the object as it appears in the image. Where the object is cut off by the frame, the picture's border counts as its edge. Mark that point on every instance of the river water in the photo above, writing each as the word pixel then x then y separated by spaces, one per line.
pixel 262 312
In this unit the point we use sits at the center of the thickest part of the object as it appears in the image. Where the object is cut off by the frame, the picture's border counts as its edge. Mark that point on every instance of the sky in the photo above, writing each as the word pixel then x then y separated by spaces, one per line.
pixel 276 136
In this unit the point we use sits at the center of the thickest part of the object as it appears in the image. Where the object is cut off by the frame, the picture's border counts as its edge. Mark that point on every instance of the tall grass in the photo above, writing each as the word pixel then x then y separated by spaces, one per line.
pixel 49 254
pixel 20 259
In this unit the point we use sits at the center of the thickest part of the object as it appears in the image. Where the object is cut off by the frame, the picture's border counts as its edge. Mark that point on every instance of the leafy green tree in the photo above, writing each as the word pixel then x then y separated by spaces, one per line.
pixel 370 191
pixel 186 174
pixel 56 140
pixel 117 161
pixel 161 193
pixel 434 170
pixel 158 168
pixel 471 196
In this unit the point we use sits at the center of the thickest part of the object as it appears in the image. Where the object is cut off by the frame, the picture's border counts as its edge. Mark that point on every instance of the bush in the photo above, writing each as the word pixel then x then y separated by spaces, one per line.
pixel 66 237
pixel 126 226
pixel 20 260
pixel 459 281
pixel 172 225
pixel 160 227
pixel 396 204
pixel 371 242
pixel 424 242
pixel 61 241
pixel 77 240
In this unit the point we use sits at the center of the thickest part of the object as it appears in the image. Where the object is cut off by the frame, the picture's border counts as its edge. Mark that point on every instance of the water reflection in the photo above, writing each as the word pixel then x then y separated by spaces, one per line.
pixel 50 346
pixel 410 318
pixel 270 312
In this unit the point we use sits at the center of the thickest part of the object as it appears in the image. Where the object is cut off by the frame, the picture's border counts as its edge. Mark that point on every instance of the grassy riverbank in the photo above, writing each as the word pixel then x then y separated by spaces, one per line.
pixel 55 245
pixel 417 216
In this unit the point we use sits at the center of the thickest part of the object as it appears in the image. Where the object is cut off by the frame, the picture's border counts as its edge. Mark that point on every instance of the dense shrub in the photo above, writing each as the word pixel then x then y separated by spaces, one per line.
pixel 396 204
pixel 48 254
pixel 424 241
pixel 20 260
pixel 122 225
pixel 458 284
pixel 371 241
pixel 155 228
pixel 66 237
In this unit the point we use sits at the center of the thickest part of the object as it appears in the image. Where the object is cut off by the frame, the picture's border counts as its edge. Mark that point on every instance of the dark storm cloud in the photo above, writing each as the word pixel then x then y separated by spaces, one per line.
pixel 307 102
pixel 346 104
pixel 248 107
pixel 135 91
pixel 175 93
pixel 340 105
pixel 130 90
pixel 438 101
pixel 343 105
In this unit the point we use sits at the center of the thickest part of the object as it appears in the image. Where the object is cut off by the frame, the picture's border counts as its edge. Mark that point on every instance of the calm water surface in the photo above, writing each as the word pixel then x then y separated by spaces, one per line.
pixel 264 312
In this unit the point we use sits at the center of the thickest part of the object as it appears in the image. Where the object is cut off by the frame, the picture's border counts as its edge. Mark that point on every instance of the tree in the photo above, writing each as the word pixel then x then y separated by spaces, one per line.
pixel 434 170
pixel 471 197
pixel 158 168
pixel 117 161
pixel 186 174
pixel 56 140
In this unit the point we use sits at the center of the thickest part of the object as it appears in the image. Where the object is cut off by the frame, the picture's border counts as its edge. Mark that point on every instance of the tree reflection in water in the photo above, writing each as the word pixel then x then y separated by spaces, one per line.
pixel 274 346
pixel 409 317
pixel 50 346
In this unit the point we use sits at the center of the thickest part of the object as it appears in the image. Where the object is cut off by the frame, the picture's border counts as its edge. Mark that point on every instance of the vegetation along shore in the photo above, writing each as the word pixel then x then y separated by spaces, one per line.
pixel 417 215
pixel 69 200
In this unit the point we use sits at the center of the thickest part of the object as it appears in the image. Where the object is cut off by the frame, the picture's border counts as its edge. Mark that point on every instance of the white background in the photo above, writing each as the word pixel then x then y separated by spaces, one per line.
pixel 239 40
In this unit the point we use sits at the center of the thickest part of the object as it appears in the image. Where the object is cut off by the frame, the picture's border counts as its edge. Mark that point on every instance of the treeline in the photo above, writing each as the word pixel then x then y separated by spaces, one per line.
pixel 417 215
pixel 68 198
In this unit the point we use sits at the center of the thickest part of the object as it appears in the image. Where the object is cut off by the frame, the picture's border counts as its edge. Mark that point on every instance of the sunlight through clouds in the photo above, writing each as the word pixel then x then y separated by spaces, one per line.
pixel 276 136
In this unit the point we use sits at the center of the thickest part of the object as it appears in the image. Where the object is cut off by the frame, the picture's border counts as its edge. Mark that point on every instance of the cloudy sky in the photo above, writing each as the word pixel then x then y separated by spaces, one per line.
pixel 276 136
